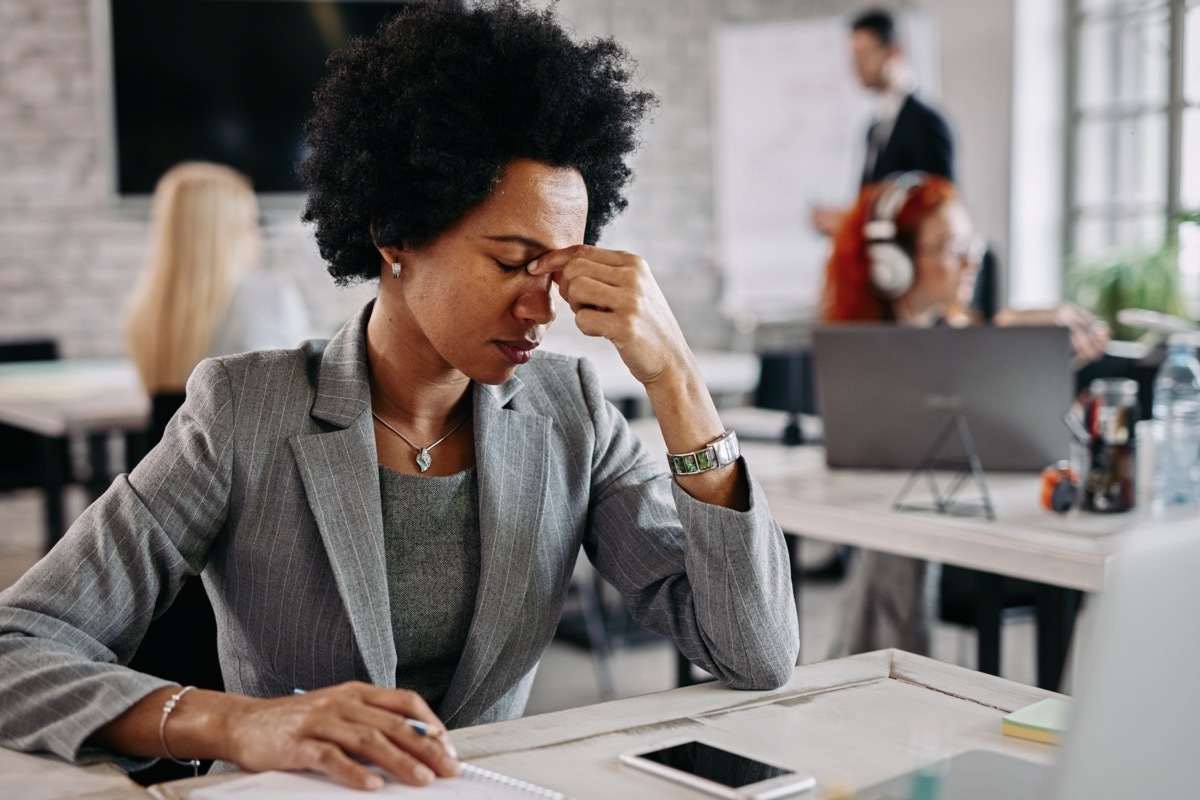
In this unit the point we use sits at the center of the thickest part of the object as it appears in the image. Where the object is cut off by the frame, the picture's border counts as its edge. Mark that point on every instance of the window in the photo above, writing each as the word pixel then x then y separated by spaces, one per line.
pixel 1134 95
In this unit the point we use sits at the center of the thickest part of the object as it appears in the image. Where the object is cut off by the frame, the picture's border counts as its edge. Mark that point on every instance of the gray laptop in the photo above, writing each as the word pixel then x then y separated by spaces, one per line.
pixel 1133 729
pixel 884 393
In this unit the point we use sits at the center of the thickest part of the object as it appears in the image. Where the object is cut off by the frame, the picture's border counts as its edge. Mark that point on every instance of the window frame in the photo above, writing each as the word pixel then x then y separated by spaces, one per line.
pixel 1116 211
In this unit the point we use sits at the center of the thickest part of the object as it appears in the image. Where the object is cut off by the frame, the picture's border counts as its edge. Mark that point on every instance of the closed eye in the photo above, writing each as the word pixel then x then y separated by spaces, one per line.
pixel 511 267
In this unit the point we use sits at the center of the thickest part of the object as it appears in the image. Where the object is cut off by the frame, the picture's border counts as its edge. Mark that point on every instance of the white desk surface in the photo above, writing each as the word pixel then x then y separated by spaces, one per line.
pixel 55 398
pixel 30 777
pixel 855 507
pixel 851 723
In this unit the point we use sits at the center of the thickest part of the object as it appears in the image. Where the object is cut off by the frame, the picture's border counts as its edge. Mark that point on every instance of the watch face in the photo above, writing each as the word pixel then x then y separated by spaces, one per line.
pixel 728 450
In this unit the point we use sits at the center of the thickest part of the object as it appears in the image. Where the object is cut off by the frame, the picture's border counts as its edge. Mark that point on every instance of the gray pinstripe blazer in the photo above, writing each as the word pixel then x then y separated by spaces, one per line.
pixel 266 483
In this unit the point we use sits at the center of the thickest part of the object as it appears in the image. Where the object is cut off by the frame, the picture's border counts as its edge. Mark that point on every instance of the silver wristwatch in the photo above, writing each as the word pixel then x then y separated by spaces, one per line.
pixel 721 452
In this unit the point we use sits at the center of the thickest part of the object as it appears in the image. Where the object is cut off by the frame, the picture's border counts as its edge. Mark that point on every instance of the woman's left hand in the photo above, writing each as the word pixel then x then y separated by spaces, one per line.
pixel 614 295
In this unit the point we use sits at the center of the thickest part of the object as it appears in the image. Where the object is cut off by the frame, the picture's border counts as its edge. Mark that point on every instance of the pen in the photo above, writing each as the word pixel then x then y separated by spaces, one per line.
pixel 422 728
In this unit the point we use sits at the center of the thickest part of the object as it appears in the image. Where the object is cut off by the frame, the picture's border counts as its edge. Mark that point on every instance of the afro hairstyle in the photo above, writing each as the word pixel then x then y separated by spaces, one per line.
pixel 414 126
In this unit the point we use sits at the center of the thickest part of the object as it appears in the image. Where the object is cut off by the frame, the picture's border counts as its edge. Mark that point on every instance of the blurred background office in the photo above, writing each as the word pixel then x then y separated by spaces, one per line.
pixel 1035 93
pixel 1076 128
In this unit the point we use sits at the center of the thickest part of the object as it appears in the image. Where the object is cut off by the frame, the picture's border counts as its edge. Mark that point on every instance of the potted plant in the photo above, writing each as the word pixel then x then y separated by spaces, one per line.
pixel 1140 277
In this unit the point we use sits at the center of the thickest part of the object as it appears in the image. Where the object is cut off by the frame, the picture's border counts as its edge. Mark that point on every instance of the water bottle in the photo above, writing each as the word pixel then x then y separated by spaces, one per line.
pixel 1176 425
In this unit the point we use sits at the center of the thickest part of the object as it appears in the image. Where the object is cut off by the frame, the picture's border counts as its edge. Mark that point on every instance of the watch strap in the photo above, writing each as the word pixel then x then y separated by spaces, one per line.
pixel 721 452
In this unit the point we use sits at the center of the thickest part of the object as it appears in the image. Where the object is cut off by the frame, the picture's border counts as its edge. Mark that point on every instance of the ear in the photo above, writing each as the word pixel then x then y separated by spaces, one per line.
pixel 390 254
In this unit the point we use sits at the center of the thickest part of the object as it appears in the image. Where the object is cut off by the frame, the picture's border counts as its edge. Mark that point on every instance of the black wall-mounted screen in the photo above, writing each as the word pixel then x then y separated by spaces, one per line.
pixel 229 81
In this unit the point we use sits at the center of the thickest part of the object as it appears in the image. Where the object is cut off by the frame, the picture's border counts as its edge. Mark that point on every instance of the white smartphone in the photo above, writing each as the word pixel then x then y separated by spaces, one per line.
pixel 717 771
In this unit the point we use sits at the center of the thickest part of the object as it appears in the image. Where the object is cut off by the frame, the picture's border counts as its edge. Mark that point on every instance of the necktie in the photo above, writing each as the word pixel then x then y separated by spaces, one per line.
pixel 875 143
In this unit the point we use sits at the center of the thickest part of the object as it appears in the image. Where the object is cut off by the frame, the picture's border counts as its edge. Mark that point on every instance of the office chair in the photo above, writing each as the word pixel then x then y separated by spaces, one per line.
pixel 21 466
pixel 181 645
pixel 785 384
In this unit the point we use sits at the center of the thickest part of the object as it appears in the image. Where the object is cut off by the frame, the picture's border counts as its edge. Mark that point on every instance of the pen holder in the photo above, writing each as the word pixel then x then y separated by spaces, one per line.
pixel 1110 481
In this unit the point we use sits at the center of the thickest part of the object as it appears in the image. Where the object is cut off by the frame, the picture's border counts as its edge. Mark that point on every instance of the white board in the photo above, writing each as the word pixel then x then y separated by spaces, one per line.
pixel 790 125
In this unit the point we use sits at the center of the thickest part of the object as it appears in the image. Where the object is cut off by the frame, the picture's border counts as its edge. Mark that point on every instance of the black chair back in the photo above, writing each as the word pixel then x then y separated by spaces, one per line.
pixel 181 645
pixel 21 462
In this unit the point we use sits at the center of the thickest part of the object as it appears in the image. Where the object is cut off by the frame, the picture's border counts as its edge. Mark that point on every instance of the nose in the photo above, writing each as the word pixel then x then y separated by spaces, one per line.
pixel 537 302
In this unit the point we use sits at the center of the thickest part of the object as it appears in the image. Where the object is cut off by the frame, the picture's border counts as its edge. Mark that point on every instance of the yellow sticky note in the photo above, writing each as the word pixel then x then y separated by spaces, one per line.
pixel 1044 721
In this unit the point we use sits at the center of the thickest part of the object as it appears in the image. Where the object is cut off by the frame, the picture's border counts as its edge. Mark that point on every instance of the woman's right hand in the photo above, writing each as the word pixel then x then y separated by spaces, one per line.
pixel 340 731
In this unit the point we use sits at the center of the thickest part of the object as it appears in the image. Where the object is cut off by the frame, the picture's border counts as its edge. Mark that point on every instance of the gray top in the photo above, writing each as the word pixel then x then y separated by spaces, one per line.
pixel 431 548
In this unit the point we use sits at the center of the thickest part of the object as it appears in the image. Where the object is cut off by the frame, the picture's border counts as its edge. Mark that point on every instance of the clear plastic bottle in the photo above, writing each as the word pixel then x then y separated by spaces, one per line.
pixel 1176 425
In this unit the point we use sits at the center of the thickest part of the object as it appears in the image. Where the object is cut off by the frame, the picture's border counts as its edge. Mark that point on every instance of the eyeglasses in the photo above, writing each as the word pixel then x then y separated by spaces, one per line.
pixel 969 249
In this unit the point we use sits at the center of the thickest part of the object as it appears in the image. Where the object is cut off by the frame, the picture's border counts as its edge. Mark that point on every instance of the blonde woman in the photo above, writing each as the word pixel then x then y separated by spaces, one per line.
pixel 199 295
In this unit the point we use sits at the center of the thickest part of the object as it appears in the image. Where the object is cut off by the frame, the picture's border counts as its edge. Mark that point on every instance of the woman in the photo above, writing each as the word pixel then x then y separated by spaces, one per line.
pixel 907 253
pixel 199 294
pixel 403 506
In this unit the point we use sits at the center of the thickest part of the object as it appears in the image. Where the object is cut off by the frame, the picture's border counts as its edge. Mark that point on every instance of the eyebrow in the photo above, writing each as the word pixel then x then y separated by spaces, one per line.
pixel 531 244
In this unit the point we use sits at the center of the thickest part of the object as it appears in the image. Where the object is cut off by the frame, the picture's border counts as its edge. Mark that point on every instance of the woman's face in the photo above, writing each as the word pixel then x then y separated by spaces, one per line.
pixel 946 257
pixel 466 300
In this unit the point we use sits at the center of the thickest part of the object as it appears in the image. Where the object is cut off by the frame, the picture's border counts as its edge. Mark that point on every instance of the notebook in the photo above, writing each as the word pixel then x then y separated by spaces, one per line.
pixel 472 782
pixel 885 392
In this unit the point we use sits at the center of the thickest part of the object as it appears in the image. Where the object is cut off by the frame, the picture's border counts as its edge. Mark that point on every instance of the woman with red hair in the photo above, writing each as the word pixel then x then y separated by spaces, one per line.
pixel 905 252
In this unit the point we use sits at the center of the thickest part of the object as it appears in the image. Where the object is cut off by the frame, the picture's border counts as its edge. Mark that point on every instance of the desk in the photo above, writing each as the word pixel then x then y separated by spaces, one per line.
pixel 56 399
pixel 43 777
pixel 852 722
pixel 854 507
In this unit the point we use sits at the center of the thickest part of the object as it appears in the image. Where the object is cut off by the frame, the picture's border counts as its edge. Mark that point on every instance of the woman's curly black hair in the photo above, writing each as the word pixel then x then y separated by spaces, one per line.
pixel 414 125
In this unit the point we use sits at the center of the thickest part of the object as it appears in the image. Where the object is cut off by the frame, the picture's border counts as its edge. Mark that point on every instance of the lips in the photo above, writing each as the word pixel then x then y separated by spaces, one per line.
pixel 518 351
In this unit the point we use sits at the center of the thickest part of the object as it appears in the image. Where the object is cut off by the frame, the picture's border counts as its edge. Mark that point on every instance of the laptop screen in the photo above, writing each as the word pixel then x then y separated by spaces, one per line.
pixel 886 392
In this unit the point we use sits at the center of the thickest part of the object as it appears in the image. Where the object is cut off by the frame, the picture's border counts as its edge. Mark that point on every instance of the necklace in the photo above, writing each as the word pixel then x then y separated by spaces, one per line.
pixel 423 460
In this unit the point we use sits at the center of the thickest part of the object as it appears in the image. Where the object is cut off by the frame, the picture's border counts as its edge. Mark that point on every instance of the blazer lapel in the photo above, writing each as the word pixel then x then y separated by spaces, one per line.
pixel 512 452
pixel 341 479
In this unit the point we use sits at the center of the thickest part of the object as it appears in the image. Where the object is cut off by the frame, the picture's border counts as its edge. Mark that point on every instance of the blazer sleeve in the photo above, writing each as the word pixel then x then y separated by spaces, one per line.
pixel 71 622
pixel 716 581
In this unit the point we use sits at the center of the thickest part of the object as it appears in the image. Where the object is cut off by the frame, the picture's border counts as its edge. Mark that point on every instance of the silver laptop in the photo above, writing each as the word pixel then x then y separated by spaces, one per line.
pixel 885 393
pixel 1133 727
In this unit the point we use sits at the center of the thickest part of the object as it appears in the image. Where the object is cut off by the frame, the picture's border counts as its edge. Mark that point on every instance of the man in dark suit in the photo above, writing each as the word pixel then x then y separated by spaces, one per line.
pixel 905 134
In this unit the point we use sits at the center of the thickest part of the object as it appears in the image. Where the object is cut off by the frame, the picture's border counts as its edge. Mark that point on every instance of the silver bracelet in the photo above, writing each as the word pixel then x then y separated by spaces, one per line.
pixel 168 707
pixel 720 452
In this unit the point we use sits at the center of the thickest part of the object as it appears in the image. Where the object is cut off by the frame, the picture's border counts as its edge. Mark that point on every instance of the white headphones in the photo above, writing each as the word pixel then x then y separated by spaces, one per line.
pixel 891 267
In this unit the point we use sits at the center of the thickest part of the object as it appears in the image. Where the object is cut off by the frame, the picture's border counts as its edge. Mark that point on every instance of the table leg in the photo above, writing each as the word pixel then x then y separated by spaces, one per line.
pixel 988 606
pixel 54 478
pixel 1056 610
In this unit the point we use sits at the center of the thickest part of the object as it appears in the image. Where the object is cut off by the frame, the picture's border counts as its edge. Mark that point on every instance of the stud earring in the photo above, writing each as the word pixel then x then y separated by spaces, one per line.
pixel 395 269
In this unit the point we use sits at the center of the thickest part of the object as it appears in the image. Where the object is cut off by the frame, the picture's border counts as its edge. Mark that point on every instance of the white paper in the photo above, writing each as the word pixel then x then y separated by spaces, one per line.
pixel 277 785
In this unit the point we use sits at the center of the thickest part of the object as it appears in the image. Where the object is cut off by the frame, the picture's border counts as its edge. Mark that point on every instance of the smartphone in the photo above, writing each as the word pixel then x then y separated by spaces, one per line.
pixel 717 771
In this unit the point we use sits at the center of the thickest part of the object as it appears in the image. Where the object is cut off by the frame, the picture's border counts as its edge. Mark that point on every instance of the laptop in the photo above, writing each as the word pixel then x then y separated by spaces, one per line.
pixel 1133 732
pixel 885 393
